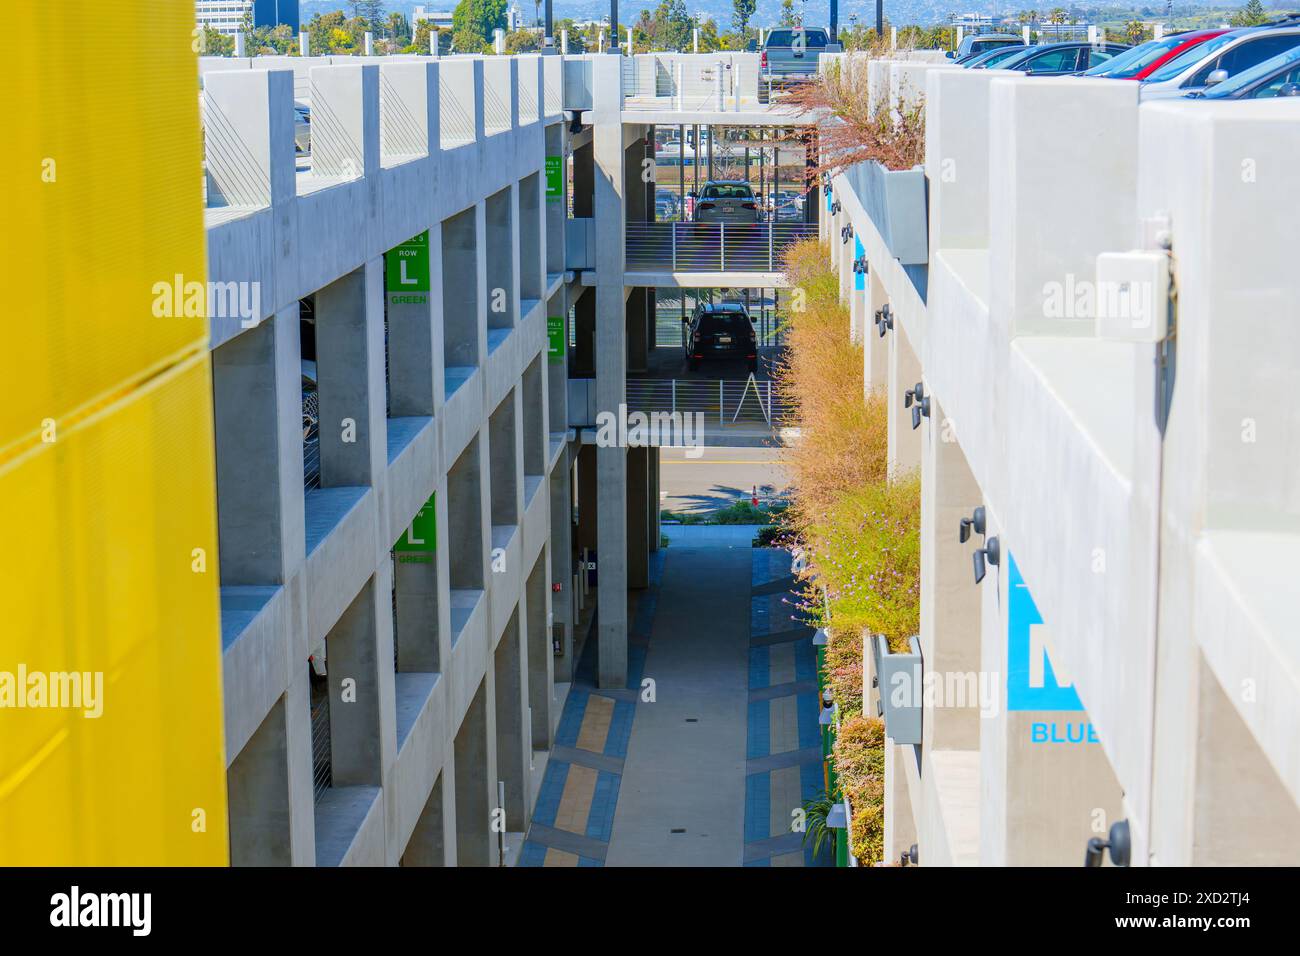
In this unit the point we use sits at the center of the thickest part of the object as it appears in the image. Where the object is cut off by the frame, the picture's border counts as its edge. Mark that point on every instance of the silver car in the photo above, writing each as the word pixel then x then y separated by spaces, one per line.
pixel 726 202
pixel 1216 60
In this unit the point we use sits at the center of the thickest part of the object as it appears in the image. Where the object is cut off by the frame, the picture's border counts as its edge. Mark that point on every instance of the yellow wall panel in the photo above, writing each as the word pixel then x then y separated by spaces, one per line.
pixel 102 517
pixel 102 169
pixel 109 578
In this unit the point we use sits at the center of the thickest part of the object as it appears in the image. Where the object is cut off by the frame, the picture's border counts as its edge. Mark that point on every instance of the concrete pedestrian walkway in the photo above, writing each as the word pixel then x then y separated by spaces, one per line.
pixel 705 755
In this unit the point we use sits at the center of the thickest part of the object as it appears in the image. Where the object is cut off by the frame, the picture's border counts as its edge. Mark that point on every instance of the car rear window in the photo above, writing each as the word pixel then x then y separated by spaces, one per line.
pixel 812 38
pixel 711 322
pixel 728 191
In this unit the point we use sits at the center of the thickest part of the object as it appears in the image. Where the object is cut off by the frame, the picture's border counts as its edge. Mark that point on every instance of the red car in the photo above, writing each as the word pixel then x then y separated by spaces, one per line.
pixel 1145 58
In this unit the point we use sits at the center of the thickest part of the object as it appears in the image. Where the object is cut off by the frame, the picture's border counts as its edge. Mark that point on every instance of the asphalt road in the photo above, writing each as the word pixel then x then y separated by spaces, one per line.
pixel 720 476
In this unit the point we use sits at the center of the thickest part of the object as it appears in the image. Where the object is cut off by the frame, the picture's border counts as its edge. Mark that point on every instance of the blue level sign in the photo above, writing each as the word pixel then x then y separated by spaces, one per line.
pixel 1032 682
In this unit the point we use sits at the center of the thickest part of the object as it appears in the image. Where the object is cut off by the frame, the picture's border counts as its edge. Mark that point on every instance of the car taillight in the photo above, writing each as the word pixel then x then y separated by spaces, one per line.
pixel 707 205
pixel 746 205
pixel 762 60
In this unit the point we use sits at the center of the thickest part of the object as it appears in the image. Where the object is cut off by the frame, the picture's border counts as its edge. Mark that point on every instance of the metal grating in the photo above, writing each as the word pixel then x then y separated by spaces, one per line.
pixel 322 778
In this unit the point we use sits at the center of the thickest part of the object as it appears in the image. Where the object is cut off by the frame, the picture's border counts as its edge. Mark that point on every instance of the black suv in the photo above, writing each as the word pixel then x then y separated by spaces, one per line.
pixel 721 331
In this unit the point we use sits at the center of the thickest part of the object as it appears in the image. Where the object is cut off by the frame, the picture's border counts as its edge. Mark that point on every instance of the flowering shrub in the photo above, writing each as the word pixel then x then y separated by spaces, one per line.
pixel 858 527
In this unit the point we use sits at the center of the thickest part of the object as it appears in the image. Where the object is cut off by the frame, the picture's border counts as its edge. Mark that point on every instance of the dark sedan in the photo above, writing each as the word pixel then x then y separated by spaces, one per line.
pixel 1061 59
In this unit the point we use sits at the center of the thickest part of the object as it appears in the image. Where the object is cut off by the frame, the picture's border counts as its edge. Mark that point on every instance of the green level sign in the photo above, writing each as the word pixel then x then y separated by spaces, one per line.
pixel 554 178
pixel 406 267
pixel 555 337
pixel 421 538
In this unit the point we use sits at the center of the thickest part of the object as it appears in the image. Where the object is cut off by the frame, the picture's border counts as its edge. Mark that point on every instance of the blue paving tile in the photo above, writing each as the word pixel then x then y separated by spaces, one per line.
pixel 589 861
pixel 765 861
pixel 805 660
pixel 758 806
pixel 552 789
pixel 600 820
pixel 636 655
pixel 575 708
pixel 620 729
pixel 533 854
pixel 759 732
pixel 760 667
pixel 809 729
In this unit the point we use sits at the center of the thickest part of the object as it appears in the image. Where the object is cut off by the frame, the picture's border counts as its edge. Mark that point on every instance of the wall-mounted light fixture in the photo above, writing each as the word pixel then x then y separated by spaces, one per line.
pixel 860 265
pixel 836 207
pixel 991 553
pixel 884 319
pixel 846 233
pixel 909 857
pixel 974 523
pixel 920 410
pixel 1117 842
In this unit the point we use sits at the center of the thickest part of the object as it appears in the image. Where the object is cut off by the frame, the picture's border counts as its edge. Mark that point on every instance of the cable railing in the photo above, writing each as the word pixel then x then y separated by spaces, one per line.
pixel 711 246
pixel 724 401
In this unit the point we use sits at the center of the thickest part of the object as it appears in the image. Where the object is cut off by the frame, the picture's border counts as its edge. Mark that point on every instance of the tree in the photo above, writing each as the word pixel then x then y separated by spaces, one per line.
pixel 371 11
pixel 213 43
pixel 398 29
pixel 521 41
pixel 787 13
pixel 1251 15
pixel 1134 31
pixel 742 11
pixel 473 23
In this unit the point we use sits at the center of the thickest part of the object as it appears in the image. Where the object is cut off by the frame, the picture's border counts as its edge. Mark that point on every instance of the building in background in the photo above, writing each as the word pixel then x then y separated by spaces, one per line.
pixel 438 18
pixel 273 13
pixel 224 16
pixel 227 16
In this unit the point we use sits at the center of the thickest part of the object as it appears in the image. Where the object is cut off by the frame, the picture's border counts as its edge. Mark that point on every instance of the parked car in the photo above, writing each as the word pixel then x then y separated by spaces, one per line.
pixel 982 43
pixel 1061 59
pixel 791 53
pixel 301 127
pixel 1145 58
pixel 725 202
pixel 667 205
pixel 991 58
pixel 1278 76
pixel 721 331
pixel 1218 59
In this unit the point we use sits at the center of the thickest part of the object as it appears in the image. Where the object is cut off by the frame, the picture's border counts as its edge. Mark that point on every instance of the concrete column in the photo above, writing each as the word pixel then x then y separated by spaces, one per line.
pixel 950 605
pixel 467 537
pixel 502 248
pixel 257 391
pixel 611 370
pixel 461 300
pixel 513 735
pixel 904 373
pixel 416 635
pixel 350 369
pixel 475 771
pixel 541 658
pixel 638 517
pixel 353 662
pixel 875 350
pixel 532 248
pixel 413 359
pixel 428 845
pixel 259 804
pixel 504 479
pixel 561 566
pixel 556 207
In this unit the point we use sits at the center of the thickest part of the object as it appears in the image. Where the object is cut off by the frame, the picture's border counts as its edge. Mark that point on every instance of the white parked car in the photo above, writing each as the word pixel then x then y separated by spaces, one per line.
pixel 1218 59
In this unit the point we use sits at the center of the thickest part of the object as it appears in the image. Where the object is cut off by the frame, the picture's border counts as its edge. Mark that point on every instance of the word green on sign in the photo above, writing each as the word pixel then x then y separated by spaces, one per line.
pixel 406 269
pixel 554 180
pixel 420 540
pixel 555 337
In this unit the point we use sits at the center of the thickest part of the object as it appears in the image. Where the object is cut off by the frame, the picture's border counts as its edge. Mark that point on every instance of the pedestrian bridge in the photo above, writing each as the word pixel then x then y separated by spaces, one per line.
pixel 694 254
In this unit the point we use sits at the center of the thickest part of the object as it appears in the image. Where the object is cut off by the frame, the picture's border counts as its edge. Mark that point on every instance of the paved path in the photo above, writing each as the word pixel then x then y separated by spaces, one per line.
pixel 683 793
pixel 709 772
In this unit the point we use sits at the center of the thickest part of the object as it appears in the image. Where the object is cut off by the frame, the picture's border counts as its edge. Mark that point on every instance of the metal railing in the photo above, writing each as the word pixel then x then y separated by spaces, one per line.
pixel 726 401
pixel 711 246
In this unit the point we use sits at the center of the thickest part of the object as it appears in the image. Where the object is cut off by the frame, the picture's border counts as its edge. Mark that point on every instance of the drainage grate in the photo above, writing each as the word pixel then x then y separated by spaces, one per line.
pixel 677 830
